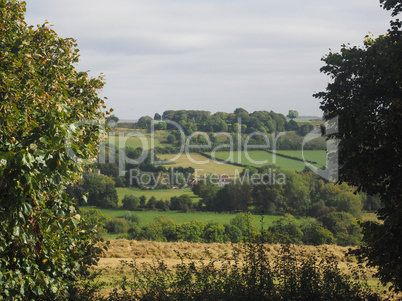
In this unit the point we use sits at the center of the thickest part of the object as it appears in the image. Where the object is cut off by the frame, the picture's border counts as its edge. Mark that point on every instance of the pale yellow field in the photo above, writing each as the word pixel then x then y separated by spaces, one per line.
pixel 202 165
pixel 149 251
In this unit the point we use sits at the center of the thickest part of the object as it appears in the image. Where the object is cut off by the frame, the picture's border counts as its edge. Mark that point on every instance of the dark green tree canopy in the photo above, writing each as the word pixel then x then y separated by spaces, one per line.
pixel 292 114
pixel 394 5
pixel 365 93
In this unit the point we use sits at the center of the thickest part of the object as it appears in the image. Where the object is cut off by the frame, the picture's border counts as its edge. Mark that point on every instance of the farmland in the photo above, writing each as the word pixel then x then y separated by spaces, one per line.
pixel 260 158
pixel 141 141
pixel 146 252
pixel 146 217
pixel 318 156
pixel 201 164
pixel 159 194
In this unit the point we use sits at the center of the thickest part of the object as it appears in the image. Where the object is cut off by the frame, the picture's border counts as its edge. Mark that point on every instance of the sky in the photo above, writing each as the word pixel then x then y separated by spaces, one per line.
pixel 213 55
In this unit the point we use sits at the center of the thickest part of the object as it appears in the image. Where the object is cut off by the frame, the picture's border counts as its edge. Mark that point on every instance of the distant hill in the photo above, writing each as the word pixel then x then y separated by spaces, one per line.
pixel 309 117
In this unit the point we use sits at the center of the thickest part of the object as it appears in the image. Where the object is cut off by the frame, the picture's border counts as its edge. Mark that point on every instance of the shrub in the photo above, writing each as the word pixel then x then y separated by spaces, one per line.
pixel 191 231
pixel 130 202
pixel 233 234
pixel 315 234
pixel 131 217
pixel 181 203
pixel 161 229
pixel 134 232
pixel 116 225
pixel 101 191
pixel 214 232
pixel 343 226
pixel 245 222
pixel 171 138
pixel 287 230
pixel 94 219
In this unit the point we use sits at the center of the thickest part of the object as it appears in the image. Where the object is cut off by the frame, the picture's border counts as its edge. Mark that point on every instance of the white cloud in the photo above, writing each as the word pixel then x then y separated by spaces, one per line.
pixel 214 55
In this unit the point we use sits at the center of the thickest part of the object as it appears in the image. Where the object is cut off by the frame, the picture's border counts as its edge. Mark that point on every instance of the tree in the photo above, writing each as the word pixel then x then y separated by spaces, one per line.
pixel 292 114
pixel 171 138
pixel 315 234
pixel 112 118
pixel 101 191
pixel 144 122
pixel 292 126
pixel 365 95
pixel 191 231
pixel 214 232
pixel 45 246
pixel 157 117
pixel 343 226
pixel 245 222
pixel 130 202
pixel 286 230
pixel 143 200
pixel 304 129
pixel 161 126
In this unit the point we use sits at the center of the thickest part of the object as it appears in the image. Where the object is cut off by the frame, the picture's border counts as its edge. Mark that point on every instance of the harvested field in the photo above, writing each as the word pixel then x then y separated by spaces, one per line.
pixel 147 252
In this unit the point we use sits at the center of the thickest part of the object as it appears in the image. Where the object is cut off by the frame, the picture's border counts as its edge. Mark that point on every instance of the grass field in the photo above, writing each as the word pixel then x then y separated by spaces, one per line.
pixel 142 140
pixel 260 158
pixel 146 217
pixel 318 156
pixel 202 165
pixel 159 194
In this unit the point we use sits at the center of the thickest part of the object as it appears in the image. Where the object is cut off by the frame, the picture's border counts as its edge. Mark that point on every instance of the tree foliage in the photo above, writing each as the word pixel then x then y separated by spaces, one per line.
pixel 365 94
pixel 292 114
pixel 44 245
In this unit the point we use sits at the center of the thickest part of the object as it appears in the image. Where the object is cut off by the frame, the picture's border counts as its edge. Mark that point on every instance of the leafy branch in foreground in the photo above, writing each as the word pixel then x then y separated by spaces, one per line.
pixel 44 245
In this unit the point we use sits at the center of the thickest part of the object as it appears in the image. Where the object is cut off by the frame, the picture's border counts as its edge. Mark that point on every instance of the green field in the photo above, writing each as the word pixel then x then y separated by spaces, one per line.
pixel 202 165
pixel 145 217
pixel 142 140
pixel 318 156
pixel 159 194
pixel 260 158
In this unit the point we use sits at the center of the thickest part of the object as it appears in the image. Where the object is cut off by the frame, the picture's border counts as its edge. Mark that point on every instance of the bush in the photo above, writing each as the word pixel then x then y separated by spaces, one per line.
pixel 130 202
pixel 101 191
pixel 233 234
pixel 116 225
pixel 245 223
pixel 315 234
pixel 161 229
pixel 191 231
pixel 94 219
pixel 344 227
pixel 305 129
pixel 287 230
pixel 214 232
pixel 134 232
pixel 131 217
pixel 180 203
pixel 171 139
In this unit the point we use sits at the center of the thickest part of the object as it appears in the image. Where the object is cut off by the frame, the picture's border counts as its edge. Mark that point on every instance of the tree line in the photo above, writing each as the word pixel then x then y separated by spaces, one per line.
pixel 334 228
pixel 239 121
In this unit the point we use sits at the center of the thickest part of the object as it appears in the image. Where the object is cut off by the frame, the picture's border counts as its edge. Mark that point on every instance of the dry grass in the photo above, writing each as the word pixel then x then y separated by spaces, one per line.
pixel 147 251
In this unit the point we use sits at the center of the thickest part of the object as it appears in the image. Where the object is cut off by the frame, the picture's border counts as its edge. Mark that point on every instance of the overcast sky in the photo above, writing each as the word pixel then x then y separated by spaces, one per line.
pixel 214 55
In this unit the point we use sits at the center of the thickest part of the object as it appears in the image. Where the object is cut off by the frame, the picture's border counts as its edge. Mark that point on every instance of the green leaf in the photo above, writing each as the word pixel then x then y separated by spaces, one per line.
pixel 16 231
